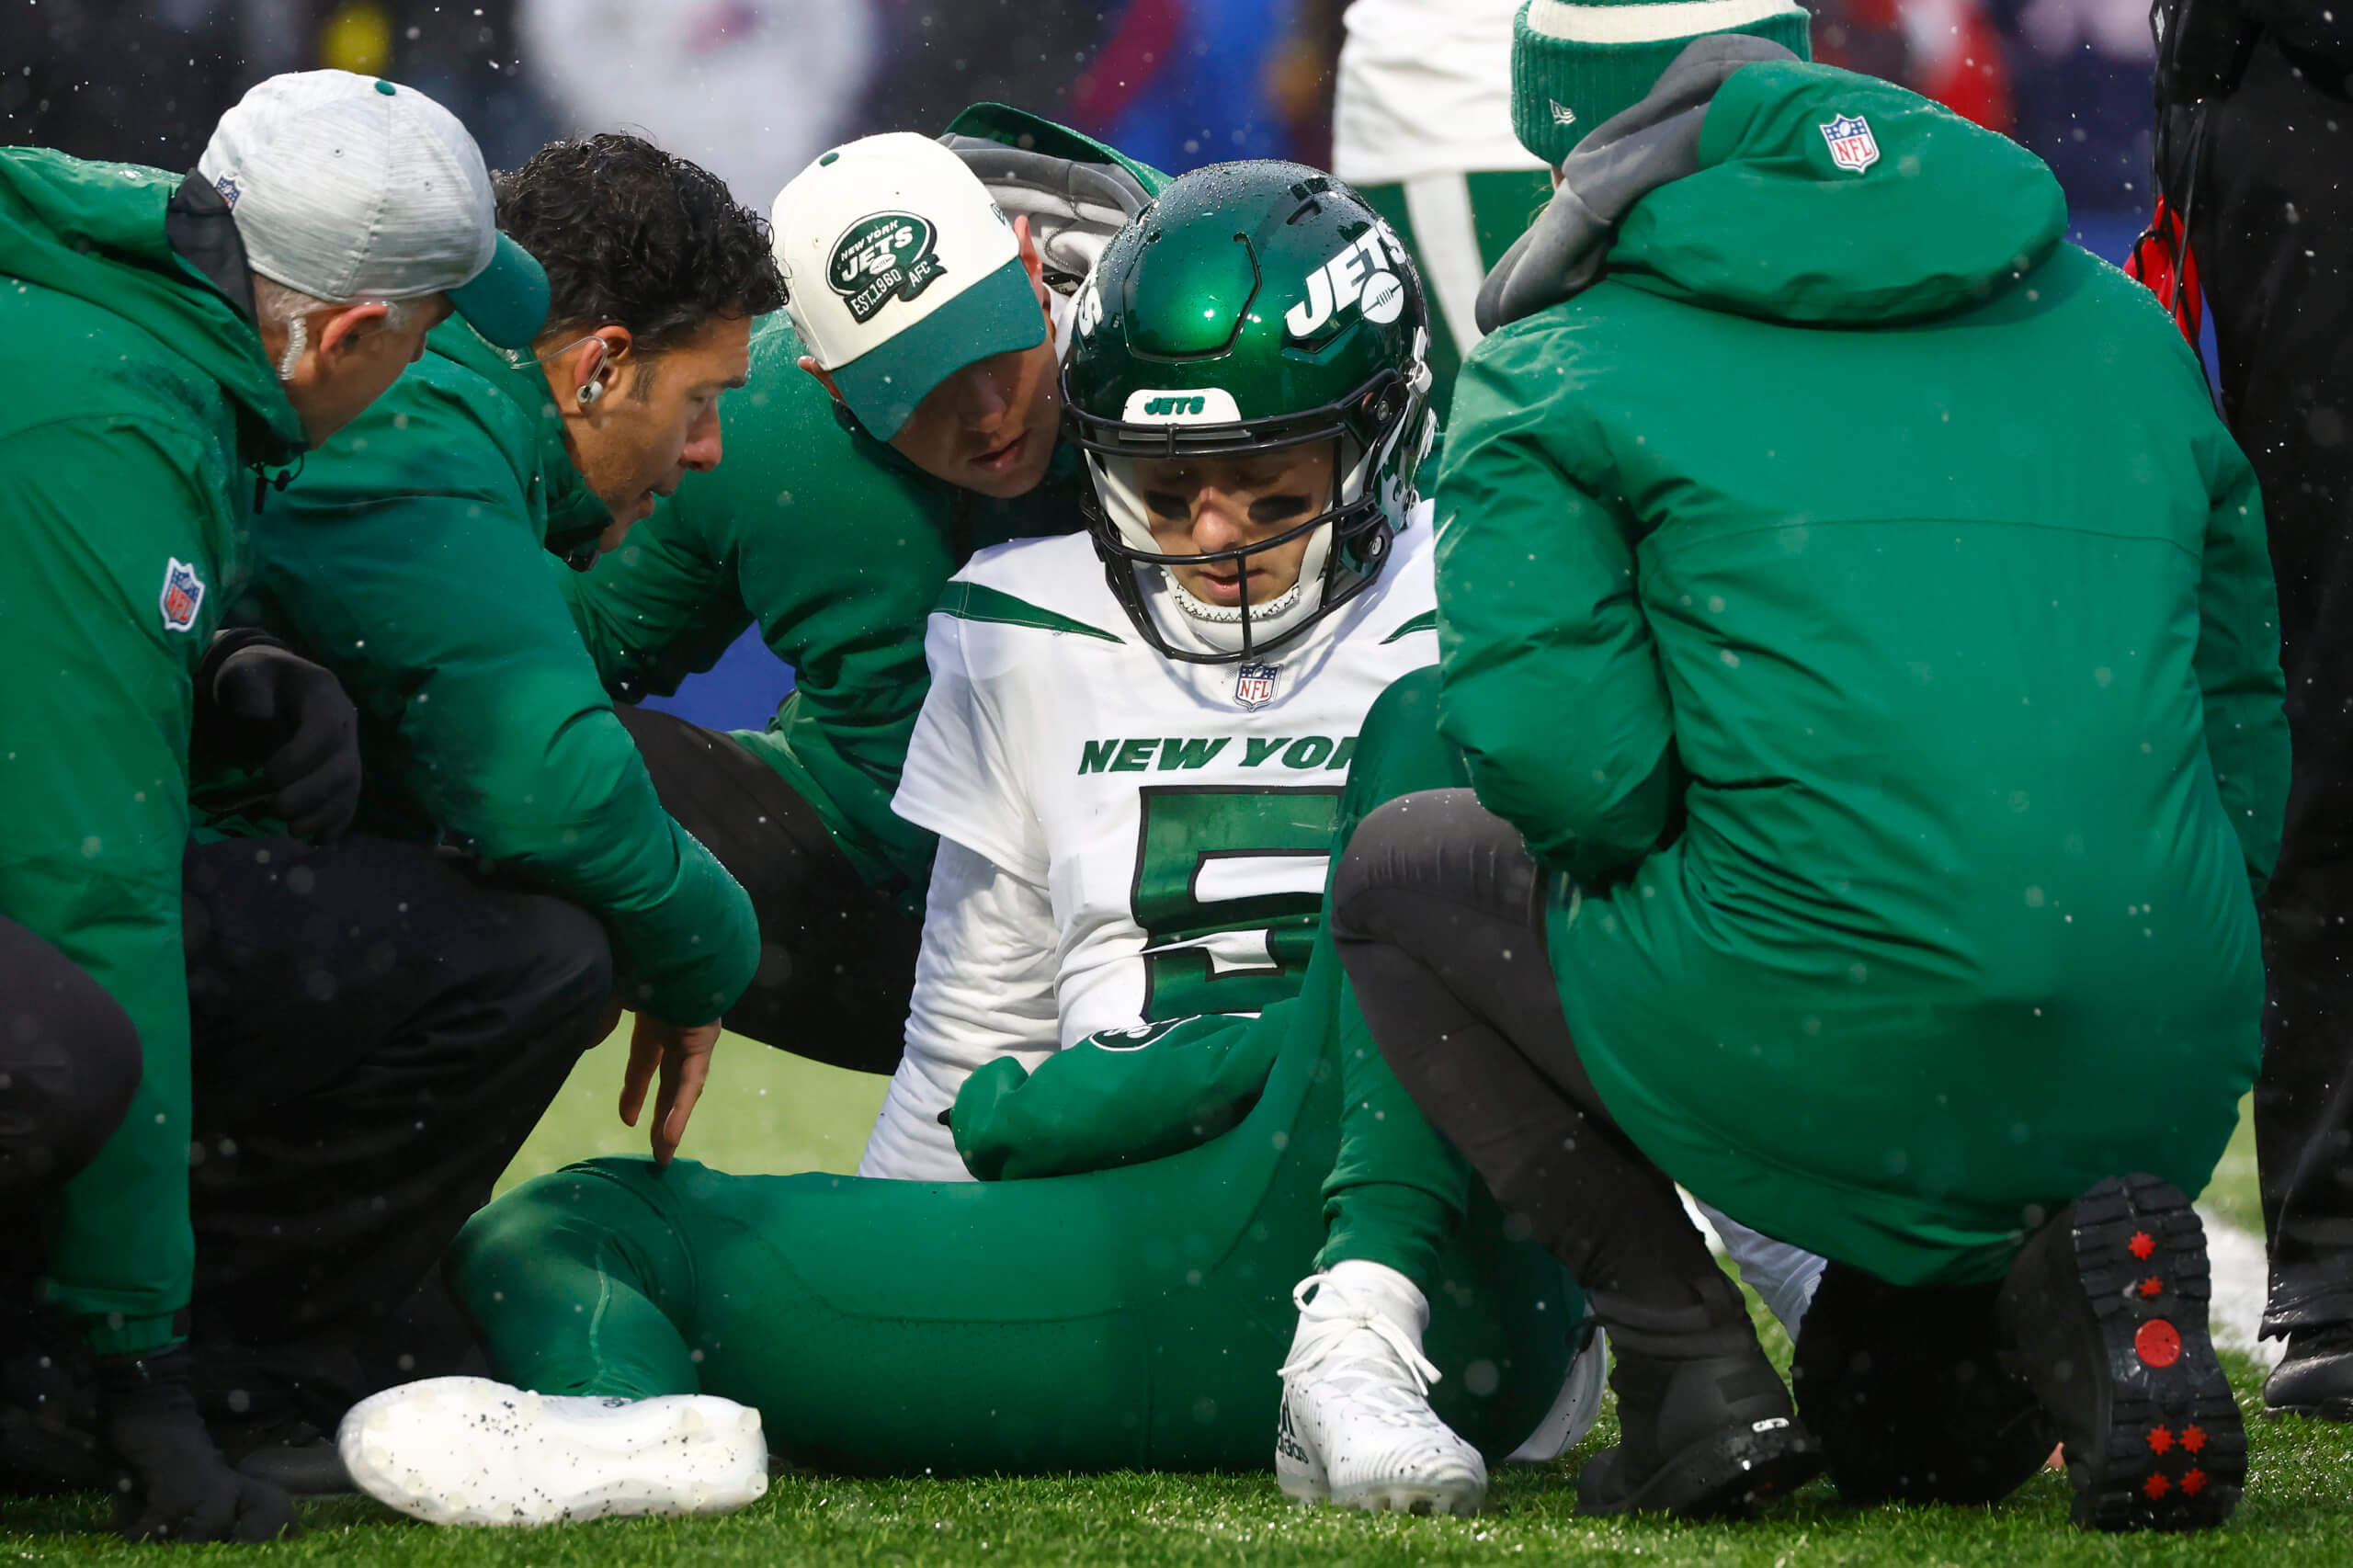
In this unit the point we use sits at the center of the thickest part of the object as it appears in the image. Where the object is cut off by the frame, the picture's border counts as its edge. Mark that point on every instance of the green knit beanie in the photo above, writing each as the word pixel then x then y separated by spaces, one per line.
pixel 1576 63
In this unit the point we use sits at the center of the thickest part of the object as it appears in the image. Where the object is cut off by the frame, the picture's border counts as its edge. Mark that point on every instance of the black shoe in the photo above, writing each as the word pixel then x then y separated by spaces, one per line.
pixel 1907 1389
pixel 1703 1437
pixel 49 1407
pixel 311 1468
pixel 2106 1305
pixel 2315 1378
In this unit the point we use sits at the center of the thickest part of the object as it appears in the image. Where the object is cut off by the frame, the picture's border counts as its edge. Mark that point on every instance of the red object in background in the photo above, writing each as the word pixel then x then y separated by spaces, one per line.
pixel 2160 258
pixel 1146 33
pixel 1956 60
pixel 1945 49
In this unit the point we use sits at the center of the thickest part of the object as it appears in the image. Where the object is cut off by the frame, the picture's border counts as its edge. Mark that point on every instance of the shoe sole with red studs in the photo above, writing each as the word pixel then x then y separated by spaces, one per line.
pixel 2109 1308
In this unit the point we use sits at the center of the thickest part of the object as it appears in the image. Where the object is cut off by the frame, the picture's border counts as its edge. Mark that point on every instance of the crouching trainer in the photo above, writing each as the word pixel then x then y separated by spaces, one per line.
pixel 392 1014
pixel 898 421
pixel 1861 641
pixel 1136 748
pixel 185 333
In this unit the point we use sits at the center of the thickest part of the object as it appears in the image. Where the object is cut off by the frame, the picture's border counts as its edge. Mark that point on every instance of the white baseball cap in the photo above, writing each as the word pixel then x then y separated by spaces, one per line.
pixel 899 271
pixel 348 188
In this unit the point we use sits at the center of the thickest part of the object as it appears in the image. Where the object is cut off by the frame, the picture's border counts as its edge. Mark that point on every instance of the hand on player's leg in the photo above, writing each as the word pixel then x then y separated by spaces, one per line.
pixel 682 1055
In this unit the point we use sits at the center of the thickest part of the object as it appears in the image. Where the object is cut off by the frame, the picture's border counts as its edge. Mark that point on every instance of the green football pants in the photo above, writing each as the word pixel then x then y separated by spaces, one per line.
pixel 1398 1190
pixel 1124 1318
pixel 1458 226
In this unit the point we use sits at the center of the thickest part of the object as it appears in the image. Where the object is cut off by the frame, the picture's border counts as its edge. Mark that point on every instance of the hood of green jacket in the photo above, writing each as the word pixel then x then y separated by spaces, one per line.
pixel 1752 182
pixel 96 231
pixel 575 517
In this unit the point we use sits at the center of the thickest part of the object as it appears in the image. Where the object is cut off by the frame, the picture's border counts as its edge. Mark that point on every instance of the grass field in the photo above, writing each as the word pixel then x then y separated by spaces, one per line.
pixel 769 1112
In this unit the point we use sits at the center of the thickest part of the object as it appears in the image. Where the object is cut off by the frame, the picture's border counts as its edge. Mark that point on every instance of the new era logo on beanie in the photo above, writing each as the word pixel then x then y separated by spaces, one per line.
pixel 346 187
pixel 899 270
pixel 1576 63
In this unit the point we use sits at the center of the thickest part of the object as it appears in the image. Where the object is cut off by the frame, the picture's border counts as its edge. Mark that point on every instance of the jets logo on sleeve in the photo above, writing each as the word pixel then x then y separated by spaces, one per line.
pixel 183 595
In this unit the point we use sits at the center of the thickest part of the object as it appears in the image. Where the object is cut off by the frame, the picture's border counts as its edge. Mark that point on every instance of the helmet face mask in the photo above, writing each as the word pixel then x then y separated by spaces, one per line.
pixel 1254 309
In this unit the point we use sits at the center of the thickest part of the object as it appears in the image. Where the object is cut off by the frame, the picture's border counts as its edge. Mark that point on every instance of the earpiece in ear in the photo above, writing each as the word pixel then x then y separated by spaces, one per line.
pixel 593 388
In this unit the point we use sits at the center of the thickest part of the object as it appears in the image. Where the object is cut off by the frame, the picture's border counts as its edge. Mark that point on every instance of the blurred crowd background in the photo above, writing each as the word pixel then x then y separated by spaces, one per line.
pixel 755 88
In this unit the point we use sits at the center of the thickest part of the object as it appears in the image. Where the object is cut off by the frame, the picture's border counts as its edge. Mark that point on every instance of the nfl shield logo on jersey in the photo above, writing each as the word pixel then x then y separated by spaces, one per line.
pixel 1852 145
pixel 1254 684
pixel 183 595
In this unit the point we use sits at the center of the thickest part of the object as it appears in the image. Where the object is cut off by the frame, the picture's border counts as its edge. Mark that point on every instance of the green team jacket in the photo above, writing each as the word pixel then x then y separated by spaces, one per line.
pixel 1894 546
pixel 838 548
pixel 140 397
pixel 412 558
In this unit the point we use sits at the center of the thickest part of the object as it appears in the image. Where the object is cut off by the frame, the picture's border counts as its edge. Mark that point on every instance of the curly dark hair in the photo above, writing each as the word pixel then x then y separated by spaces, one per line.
pixel 632 235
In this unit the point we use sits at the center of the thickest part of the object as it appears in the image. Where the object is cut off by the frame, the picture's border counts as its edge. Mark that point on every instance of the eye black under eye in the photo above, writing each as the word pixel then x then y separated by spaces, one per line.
pixel 1161 504
pixel 1275 508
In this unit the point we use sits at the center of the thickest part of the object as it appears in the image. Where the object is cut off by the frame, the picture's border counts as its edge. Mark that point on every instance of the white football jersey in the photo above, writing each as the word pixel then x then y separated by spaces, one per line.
pixel 1425 88
pixel 1126 838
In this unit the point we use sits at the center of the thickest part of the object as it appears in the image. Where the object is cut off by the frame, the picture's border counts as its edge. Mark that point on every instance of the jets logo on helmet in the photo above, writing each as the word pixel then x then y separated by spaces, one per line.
pixel 1201 405
pixel 1254 308
pixel 1090 312
pixel 885 258
pixel 1358 279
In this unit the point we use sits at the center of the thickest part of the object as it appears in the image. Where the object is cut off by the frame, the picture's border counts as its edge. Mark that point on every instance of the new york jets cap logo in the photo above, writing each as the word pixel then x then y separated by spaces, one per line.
pixel 883 257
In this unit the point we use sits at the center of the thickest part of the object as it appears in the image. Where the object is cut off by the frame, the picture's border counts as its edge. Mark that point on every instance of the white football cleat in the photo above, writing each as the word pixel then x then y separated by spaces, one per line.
pixel 1356 1427
pixel 470 1451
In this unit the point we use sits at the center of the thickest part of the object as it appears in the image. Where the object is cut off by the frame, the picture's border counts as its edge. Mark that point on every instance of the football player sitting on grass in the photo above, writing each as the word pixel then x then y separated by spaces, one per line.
pixel 1138 747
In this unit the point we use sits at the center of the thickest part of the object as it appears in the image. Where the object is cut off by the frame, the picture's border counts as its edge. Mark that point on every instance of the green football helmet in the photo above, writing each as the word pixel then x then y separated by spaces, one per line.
pixel 1253 307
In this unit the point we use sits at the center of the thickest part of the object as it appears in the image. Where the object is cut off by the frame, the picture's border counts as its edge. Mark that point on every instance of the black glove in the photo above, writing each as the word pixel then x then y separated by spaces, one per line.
pixel 258 703
pixel 179 1487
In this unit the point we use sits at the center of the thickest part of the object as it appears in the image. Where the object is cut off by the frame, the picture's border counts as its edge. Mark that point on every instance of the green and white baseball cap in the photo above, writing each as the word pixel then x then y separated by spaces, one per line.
pixel 348 188
pixel 899 270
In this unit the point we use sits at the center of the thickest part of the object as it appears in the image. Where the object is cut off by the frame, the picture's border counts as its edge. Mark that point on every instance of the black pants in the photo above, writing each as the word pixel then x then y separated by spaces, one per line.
pixel 69 1061
pixel 838 957
pixel 2271 206
pixel 1437 913
pixel 376 1030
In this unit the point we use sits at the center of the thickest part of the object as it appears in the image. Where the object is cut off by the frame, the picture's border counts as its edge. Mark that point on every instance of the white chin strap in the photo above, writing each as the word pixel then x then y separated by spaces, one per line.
pixel 1219 627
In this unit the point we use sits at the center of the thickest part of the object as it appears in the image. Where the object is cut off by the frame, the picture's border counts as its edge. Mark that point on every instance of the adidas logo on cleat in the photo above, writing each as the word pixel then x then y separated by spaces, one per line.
pixel 1286 1442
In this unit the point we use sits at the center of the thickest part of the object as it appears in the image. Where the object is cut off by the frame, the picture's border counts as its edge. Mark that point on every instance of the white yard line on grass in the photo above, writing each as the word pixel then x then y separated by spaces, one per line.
pixel 2241 1280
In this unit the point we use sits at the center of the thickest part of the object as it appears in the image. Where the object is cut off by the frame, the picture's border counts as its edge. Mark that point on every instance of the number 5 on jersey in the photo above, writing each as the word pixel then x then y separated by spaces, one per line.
pixel 1229 887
